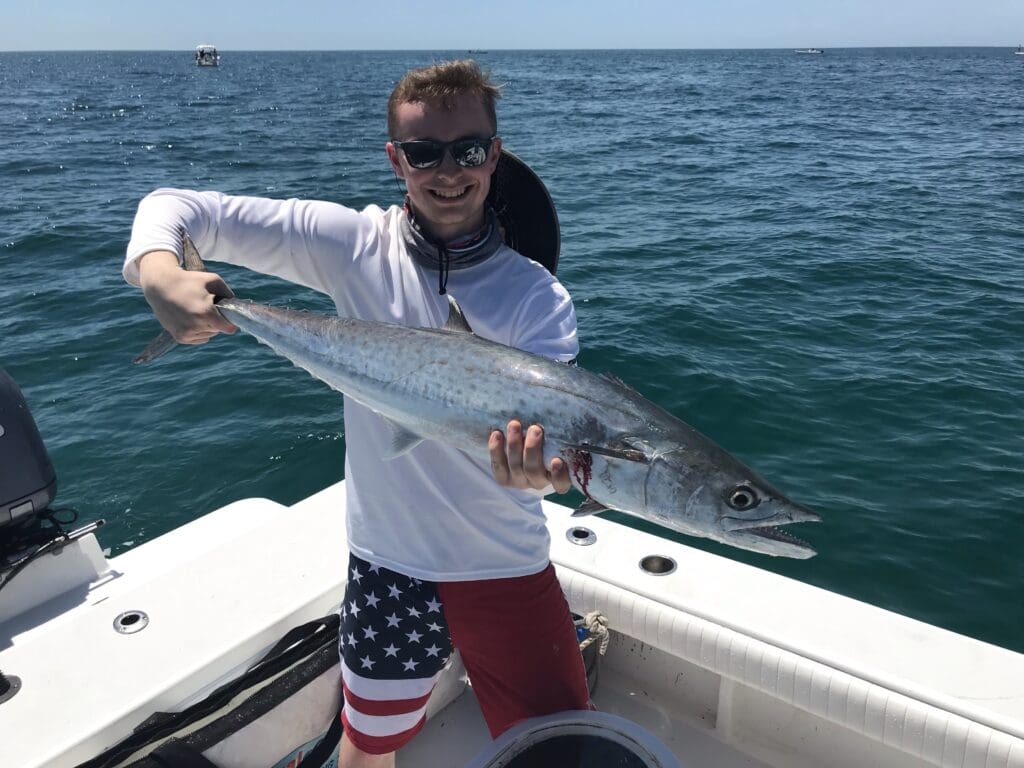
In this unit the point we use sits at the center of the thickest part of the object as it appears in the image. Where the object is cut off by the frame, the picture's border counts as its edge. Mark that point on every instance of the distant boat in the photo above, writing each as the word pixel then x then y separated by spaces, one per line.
pixel 1020 50
pixel 207 56
pixel 475 50
pixel 808 50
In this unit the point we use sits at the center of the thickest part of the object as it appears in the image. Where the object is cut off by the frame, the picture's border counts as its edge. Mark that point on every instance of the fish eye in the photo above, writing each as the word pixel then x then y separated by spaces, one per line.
pixel 743 497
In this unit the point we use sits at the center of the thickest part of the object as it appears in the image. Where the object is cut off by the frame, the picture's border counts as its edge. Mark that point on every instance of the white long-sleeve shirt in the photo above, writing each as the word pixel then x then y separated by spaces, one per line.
pixel 431 513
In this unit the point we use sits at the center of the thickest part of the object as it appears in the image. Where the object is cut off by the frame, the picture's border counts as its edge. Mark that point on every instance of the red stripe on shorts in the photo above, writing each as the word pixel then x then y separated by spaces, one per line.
pixel 380 745
pixel 385 707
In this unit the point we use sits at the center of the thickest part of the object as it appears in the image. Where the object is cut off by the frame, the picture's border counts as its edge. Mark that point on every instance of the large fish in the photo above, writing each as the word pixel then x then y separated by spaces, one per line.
pixel 623 451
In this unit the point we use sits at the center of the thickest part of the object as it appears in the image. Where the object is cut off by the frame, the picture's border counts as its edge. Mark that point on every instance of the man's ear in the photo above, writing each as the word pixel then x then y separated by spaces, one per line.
pixel 396 166
pixel 495 155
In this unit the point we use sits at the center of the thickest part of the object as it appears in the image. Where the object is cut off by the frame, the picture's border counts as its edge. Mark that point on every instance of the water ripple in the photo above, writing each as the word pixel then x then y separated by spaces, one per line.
pixel 814 260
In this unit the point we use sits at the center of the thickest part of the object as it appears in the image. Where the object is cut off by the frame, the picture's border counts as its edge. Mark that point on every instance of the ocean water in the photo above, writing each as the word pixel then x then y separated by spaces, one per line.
pixel 816 260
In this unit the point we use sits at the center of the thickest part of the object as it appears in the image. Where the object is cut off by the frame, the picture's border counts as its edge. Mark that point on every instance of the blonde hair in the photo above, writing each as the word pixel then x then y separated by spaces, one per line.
pixel 439 84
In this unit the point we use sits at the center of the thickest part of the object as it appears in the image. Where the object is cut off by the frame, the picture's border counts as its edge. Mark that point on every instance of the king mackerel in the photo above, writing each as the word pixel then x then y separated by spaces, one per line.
pixel 624 452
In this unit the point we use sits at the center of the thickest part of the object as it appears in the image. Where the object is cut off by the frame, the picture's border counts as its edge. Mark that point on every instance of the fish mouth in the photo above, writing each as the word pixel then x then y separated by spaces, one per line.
pixel 793 513
pixel 770 540
pixel 763 534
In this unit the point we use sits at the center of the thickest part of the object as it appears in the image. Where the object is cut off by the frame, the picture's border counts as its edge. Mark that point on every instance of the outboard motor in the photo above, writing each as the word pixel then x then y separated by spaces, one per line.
pixel 27 481
pixel 27 486
pixel 29 526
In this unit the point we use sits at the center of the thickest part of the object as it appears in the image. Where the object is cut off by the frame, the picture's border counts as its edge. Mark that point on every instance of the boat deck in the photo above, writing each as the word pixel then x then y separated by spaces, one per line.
pixel 457 733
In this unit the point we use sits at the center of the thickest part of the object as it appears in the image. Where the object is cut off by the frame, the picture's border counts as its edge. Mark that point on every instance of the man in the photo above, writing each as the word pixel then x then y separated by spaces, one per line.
pixel 445 549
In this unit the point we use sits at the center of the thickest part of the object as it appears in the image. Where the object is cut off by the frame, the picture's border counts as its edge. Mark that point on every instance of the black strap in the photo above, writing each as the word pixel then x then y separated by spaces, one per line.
pixel 321 753
pixel 297 634
pixel 446 264
pixel 175 754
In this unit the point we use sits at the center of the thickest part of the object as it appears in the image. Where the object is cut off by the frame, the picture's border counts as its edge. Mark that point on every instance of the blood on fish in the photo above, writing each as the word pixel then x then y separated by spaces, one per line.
pixel 581 464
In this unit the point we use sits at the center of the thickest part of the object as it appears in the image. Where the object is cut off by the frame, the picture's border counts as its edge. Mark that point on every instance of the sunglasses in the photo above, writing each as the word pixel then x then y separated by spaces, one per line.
pixel 469 153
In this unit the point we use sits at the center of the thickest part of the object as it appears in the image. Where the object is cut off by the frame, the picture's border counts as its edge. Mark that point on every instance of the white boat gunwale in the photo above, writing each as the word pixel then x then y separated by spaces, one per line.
pixel 751 645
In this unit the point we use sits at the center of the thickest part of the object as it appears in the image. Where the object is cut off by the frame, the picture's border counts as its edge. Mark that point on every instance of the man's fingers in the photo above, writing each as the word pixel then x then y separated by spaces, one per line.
pixel 196 337
pixel 533 457
pixel 215 284
pixel 517 459
pixel 499 461
pixel 514 448
pixel 183 302
pixel 219 323
pixel 560 476
pixel 219 289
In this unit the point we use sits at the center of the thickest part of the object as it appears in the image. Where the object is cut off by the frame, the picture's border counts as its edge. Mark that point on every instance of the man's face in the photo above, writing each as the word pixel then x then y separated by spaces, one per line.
pixel 448 198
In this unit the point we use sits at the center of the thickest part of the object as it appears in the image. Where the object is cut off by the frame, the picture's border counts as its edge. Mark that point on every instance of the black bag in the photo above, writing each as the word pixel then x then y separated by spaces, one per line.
pixel 283 712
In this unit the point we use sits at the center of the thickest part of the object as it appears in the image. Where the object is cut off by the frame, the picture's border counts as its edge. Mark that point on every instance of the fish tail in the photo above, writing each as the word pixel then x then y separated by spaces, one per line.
pixel 164 343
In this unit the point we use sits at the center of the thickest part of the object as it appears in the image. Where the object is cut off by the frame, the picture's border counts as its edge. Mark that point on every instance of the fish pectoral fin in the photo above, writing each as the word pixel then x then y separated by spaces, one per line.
pixel 457 322
pixel 589 507
pixel 402 440
pixel 625 454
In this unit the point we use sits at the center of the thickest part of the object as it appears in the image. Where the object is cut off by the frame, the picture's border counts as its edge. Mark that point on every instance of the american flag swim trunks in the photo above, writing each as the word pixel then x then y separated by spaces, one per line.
pixel 515 635
pixel 394 642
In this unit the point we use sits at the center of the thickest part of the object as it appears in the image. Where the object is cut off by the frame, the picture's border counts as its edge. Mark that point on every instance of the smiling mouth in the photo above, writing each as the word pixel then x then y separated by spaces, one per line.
pixel 450 194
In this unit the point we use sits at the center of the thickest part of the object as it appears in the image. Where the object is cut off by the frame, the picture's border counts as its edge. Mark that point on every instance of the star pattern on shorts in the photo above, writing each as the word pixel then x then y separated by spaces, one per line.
pixel 386 618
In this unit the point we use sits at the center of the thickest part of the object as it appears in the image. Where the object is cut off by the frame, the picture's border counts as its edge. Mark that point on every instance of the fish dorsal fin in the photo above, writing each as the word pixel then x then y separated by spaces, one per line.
pixel 457 322
pixel 190 254
pixel 402 440
pixel 616 380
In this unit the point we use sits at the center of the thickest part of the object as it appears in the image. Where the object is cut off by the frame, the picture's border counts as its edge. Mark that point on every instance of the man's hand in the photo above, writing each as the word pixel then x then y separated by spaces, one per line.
pixel 181 300
pixel 518 461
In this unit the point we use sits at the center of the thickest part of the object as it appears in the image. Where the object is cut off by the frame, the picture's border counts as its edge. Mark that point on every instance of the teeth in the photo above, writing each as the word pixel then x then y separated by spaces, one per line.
pixel 450 193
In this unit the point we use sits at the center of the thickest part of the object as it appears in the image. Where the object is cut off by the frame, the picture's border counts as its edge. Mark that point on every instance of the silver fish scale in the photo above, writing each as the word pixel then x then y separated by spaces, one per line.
pixel 449 386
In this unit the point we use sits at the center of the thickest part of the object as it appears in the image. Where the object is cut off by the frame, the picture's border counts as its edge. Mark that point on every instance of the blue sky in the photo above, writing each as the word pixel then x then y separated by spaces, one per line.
pixel 464 24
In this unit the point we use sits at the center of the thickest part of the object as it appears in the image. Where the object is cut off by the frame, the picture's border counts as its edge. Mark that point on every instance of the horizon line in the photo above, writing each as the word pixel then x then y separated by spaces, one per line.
pixel 492 50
